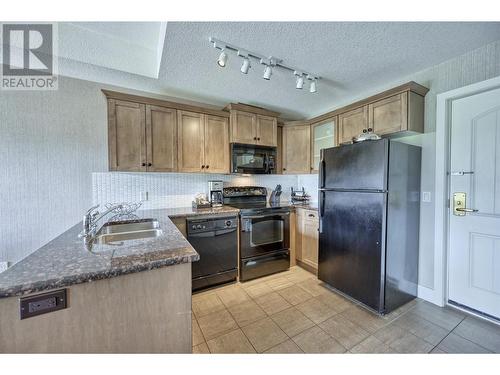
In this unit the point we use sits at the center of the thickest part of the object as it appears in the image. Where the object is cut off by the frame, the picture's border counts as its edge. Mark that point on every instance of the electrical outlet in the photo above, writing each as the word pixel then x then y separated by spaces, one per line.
pixel 144 196
pixel 4 266
pixel 426 196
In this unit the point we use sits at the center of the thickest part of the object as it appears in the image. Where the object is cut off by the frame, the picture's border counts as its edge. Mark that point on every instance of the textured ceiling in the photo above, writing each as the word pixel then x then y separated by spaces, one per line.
pixel 351 58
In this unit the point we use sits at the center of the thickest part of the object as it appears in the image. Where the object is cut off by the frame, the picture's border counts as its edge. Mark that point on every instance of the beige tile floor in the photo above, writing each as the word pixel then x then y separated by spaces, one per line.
pixel 294 312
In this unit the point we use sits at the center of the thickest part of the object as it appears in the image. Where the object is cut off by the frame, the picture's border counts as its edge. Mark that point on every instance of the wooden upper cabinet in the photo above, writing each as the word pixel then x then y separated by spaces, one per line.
pixel 296 149
pixel 161 136
pixel 126 136
pixel 323 135
pixel 267 131
pixel 203 143
pixel 216 151
pixel 352 123
pixel 243 127
pixel 253 125
pixel 389 115
pixel 190 141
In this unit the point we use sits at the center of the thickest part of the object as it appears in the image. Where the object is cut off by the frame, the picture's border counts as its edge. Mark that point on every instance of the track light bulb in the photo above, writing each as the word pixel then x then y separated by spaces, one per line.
pixel 312 86
pixel 300 82
pixel 222 59
pixel 245 66
pixel 267 72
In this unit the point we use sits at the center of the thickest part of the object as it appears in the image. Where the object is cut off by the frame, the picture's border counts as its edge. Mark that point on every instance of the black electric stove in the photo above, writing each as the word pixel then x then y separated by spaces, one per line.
pixel 264 231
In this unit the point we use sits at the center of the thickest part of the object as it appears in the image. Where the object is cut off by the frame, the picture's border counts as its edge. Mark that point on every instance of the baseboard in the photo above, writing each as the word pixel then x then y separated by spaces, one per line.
pixel 307 267
pixel 429 295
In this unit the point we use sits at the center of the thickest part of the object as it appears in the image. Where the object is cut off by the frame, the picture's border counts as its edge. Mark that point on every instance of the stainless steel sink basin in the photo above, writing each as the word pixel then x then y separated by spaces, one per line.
pixel 111 233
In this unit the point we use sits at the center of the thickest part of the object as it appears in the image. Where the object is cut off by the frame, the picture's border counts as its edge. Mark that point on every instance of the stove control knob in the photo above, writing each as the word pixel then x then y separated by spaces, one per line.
pixel 228 223
pixel 194 226
pixel 198 226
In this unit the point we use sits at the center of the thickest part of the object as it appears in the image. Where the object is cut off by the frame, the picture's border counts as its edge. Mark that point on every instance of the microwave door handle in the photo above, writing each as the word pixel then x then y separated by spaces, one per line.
pixel 266 164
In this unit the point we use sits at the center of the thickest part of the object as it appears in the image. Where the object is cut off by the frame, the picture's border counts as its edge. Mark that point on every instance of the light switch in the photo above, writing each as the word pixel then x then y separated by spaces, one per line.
pixel 426 196
pixel 144 195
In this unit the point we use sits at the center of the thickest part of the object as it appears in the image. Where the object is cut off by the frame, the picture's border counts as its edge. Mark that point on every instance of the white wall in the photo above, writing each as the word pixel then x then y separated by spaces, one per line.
pixel 50 142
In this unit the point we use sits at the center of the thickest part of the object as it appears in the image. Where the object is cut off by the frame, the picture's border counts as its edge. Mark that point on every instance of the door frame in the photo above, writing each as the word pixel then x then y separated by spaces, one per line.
pixel 439 295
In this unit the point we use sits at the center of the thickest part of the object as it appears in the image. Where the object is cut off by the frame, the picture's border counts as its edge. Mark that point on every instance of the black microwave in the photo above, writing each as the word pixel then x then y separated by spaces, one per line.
pixel 252 159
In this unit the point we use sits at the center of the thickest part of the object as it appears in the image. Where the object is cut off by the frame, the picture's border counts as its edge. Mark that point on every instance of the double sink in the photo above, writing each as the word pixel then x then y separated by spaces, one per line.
pixel 114 233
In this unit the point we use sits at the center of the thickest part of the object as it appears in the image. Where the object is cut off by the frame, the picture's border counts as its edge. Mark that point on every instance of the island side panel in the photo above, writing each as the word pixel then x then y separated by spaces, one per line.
pixel 144 312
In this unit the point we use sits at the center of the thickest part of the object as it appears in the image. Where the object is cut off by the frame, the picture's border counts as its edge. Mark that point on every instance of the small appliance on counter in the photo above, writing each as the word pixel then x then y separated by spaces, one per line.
pixel 215 193
pixel 275 196
pixel 299 196
pixel 201 201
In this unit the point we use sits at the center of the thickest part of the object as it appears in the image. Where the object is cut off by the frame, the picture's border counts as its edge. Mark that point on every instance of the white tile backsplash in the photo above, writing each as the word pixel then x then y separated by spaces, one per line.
pixel 178 189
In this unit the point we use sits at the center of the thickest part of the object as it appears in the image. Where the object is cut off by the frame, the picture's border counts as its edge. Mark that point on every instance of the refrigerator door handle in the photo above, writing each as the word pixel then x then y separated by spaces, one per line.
pixel 321 171
pixel 321 210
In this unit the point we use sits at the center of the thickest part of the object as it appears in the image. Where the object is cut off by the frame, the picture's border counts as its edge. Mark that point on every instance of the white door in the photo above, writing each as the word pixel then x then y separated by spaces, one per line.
pixel 474 252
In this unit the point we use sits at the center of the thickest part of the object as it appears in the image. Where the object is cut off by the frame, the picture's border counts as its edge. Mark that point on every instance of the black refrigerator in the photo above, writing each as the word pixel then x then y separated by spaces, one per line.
pixel 369 208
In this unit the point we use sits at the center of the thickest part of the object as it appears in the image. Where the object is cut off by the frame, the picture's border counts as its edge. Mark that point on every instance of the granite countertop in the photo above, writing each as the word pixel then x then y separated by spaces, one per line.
pixel 190 211
pixel 66 260
pixel 306 206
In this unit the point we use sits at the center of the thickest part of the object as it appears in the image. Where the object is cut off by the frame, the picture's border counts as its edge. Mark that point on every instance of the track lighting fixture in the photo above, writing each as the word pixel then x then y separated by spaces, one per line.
pixel 312 85
pixel 299 84
pixel 246 62
pixel 222 59
pixel 269 63
pixel 267 72
pixel 245 66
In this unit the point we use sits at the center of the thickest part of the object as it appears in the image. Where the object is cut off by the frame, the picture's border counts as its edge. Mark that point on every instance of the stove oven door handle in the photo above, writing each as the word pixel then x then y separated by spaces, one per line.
pixel 269 215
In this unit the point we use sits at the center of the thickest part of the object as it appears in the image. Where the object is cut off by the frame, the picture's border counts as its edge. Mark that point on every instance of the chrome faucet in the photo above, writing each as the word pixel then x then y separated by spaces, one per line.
pixel 92 216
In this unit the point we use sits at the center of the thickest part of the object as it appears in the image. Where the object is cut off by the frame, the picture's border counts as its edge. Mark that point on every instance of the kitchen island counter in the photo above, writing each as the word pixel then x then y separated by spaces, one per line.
pixel 66 260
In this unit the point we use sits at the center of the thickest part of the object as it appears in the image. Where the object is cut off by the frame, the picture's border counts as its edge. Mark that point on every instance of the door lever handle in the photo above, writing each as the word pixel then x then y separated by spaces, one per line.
pixel 466 209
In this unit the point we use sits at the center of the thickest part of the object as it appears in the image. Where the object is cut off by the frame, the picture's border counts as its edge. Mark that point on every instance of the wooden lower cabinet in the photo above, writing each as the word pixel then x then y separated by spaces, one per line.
pixel 307 237
pixel 143 312
pixel 203 143
pixel 296 147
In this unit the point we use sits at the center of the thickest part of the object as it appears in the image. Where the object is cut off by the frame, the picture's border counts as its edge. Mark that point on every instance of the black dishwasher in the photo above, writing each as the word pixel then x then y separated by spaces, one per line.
pixel 215 238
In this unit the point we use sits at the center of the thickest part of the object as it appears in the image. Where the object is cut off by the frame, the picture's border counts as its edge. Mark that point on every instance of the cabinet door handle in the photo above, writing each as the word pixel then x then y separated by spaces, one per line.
pixel 207 166
pixel 143 164
pixel 150 164
pixel 284 169
pixel 311 215
pixel 370 129
pixel 254 138
pixel 258 139
pixel 202 167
